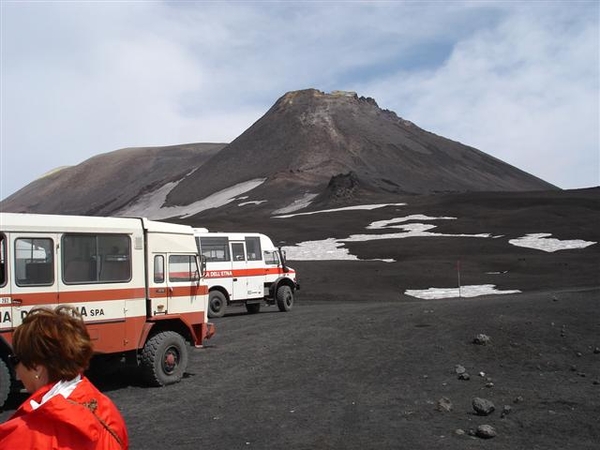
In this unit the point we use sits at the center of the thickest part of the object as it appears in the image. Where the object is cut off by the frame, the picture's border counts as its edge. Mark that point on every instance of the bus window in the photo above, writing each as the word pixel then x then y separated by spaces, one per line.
pixel 253 252
pixel 271 258
pixel 237 250
pixel 183 268
pixel 34 262
pixel 96 258
pixel 159 269
pixel 214 248
pixel 2 260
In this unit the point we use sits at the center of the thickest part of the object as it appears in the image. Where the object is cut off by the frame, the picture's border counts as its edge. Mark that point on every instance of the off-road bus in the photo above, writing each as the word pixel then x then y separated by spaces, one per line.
pixel 246 269
pixel 136 283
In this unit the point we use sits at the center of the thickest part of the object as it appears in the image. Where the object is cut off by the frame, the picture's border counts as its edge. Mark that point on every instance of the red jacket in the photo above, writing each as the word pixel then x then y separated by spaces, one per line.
pixel 86 420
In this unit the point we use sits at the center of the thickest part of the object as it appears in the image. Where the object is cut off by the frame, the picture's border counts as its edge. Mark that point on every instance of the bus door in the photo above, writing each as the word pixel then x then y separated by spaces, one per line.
pixel 239 271
pixel 256 268
pixel 158 292
pixel 5 298
pixel 183 284
pixel 30 274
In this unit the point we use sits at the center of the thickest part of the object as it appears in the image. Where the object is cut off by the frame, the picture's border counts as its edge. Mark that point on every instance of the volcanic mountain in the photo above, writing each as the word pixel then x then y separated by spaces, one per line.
pixel 333 148
pixel 309 136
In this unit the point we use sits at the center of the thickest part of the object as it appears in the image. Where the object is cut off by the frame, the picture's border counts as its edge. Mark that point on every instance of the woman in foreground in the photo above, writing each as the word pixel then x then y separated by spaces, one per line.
pixel 52 348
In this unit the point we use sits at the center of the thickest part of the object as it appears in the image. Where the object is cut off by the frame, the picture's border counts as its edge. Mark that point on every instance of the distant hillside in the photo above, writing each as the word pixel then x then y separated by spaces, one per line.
pixel 332 148
pixel 107 182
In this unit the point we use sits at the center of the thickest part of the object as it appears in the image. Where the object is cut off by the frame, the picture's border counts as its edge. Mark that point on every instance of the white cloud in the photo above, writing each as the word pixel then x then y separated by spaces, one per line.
pixel 517 80
pixel 525 91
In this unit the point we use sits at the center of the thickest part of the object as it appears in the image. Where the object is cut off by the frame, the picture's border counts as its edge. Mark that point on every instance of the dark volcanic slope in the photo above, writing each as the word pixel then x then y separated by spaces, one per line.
pixel 338 146
pixel 109 181
pixel 308 136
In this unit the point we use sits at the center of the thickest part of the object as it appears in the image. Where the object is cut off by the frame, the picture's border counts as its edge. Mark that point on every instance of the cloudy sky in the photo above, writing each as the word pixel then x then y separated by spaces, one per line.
pixel 517 80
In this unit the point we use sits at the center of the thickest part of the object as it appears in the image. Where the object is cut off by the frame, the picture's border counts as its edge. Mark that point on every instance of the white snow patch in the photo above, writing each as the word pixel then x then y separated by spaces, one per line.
pixel 314 250
pixel 296 204
pixel 464 291
pixel 325 250
pixel 346 208
pixel 540 241
pixel 390 223
pixel 253 202
pixel 150 205
pixel 410 230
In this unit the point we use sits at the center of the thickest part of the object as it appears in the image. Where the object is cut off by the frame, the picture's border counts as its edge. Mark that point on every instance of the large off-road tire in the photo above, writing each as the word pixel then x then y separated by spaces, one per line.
pixel 253 308
pixel 164 359
pixel 217 303
pixel 285 298
pixel 4 382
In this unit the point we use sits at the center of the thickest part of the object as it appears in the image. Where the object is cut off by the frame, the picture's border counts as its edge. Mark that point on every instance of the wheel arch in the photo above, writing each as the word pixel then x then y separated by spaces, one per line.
pixel 9 382
pixel 158 326
pixel 5 350
pixel 281 281
pixel 223 291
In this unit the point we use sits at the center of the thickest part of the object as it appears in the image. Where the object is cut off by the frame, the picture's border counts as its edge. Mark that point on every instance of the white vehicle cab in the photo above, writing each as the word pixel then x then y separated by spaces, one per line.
pixel 136 283
pixel 245 268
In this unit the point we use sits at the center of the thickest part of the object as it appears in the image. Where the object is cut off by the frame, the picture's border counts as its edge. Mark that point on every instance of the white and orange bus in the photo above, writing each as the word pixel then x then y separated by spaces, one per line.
pixel 136 282
pixel 245 268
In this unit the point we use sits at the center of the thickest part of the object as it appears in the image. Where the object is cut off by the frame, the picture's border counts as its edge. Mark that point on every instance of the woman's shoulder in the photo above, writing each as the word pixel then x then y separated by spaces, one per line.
pixel 30 430
pixel 106 412
pixel 87 394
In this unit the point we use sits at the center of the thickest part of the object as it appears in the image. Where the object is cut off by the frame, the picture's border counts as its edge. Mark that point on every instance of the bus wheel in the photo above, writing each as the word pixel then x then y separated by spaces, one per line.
pixel 285 298
pixel 4 382
pixel 253 308
pixel 164 359
pixel 216 304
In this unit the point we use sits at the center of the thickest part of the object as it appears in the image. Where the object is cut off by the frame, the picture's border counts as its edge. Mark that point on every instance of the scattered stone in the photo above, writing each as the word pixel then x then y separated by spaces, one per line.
pixel 519 399
pixel 472 432
pixel 581 374
pixel 506 410
pixel 481 339
pixel 459 369
pixel 596 350
pixel 459 432
pixel 464 376
pixel 489 385
pixel 482 374
pixel 444 404
pixel 578 354
pixel 486 431
pixel 482 406
pixel 573 368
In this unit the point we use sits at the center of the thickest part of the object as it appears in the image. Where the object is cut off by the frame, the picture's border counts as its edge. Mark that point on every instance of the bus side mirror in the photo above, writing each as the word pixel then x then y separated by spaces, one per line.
pixel 202 266
pixel 282 256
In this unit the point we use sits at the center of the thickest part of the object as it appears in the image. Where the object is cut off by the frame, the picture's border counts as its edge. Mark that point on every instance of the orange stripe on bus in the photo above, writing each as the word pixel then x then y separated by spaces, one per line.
pixel 226 273
pixel 45 298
